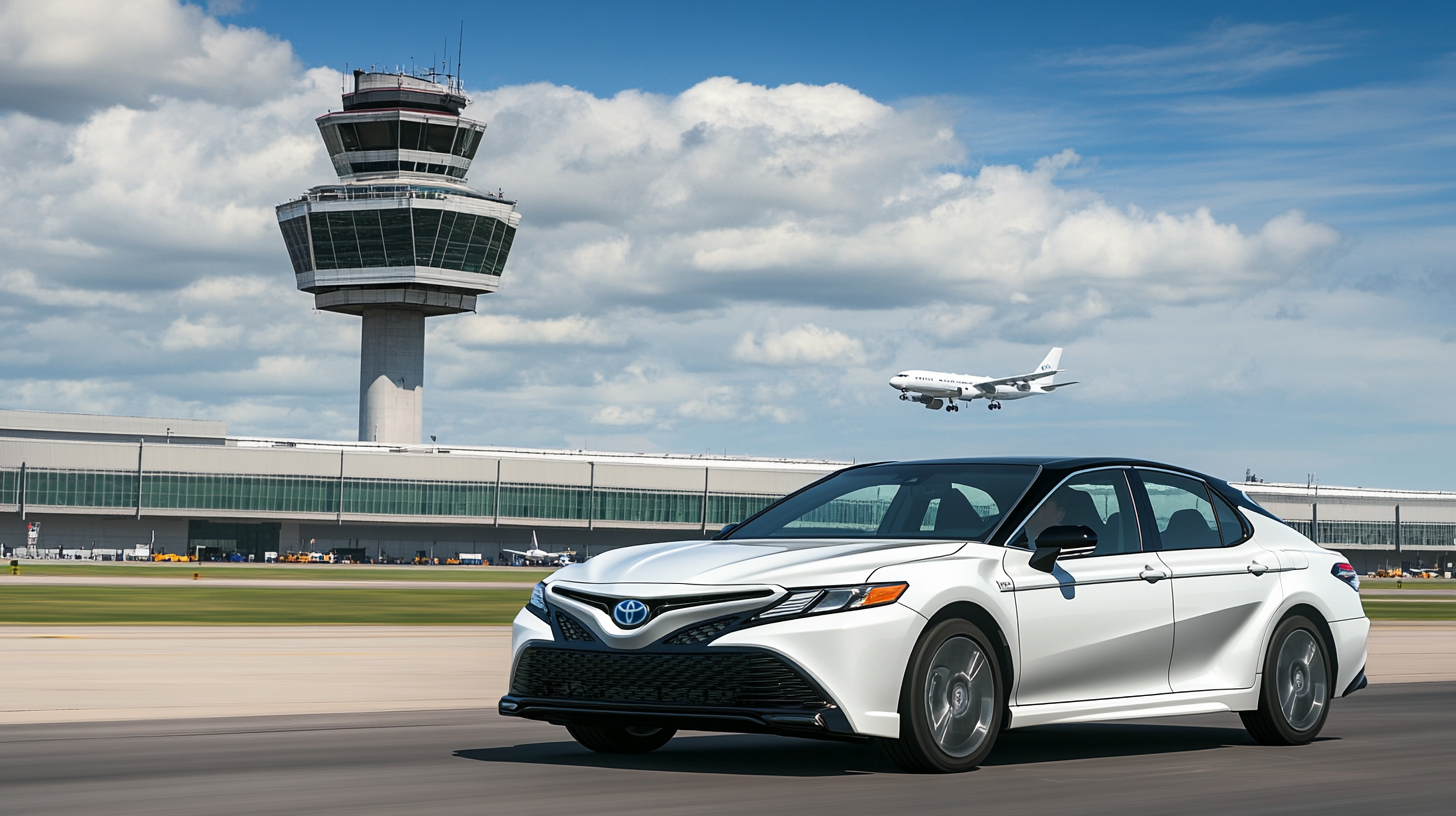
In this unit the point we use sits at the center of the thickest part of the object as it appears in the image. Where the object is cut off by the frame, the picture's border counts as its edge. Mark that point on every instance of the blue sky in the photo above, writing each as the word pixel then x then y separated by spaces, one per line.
pixel 1236 217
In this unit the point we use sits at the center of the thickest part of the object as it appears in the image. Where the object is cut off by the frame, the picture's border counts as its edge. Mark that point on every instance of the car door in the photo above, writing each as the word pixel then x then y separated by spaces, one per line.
pixel 1223 582
pixel 1100 625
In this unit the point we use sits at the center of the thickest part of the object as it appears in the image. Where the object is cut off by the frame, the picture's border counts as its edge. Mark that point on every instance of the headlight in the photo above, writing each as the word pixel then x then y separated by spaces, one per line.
pixel 538 596
pixel 835 599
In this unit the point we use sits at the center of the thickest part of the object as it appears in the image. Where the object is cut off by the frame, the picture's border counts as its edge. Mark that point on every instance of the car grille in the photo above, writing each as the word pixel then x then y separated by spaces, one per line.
pixel 571 628
pixel 731 679
pixel 700 634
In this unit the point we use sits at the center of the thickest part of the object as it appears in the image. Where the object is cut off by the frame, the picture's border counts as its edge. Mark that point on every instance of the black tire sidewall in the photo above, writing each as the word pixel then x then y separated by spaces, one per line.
pixel 915 734
pixel 616 739
pixel 1269 693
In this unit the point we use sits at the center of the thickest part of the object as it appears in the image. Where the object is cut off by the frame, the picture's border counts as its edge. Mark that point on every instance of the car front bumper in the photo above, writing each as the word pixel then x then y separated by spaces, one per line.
pixel 854 660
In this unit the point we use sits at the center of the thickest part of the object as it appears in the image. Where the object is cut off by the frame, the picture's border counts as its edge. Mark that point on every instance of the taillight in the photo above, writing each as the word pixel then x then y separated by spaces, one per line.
pixel 1346 573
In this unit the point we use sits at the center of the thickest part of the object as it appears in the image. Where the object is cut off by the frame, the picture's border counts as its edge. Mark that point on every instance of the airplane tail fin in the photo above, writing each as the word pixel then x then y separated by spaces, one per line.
pixel 1053 359
pixel 534 545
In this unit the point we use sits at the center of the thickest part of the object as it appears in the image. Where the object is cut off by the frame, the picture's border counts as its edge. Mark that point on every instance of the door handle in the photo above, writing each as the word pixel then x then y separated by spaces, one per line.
pixel 1151 575
pixel 1257 568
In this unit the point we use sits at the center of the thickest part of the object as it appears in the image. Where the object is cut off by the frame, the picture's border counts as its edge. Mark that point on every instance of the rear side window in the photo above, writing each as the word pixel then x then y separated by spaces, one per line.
pixel 1182 511
pixel 1230 524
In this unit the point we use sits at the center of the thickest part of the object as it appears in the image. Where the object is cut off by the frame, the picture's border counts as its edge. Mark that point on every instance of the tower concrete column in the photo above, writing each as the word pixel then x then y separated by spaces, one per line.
pixel 392 376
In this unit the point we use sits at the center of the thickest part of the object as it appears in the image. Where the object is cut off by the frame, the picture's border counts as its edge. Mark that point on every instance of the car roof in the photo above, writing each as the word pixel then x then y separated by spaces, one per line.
pixel 1054 463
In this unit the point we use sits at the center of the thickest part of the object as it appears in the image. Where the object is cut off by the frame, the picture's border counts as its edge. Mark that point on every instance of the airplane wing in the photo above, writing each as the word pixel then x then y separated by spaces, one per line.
pixel 1036 375
pixel 1055 387
pixel 515 552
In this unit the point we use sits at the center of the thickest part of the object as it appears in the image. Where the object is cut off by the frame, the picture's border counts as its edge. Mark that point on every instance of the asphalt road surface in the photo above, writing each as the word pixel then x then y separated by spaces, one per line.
pixel 1388 749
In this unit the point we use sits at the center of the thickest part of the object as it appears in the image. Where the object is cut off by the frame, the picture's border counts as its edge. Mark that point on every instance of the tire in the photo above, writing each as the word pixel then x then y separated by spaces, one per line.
pixel 1294 697
pixel 952 701
pixel 620 739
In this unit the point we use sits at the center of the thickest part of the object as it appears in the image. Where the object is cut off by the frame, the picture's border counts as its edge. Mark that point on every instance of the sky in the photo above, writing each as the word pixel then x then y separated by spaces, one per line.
pixel 740 220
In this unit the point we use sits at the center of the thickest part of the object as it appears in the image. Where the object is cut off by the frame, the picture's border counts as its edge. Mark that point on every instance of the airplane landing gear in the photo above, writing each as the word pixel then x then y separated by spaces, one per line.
pixel 952 407
pixel 904 396
pixel 993 406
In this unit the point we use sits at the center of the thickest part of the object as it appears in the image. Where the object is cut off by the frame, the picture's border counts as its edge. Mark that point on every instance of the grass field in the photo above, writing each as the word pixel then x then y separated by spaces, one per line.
pixel 304 572
pixel 1417 610
pixel 238 606
pixel 1408 583
pixel 200 604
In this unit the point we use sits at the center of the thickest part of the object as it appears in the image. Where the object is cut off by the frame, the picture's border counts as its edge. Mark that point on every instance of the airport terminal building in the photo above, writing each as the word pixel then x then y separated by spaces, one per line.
pixel 112 483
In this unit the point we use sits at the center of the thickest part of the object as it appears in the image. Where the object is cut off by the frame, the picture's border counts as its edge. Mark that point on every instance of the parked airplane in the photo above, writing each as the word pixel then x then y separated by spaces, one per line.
pixel 935 389
pixel 535 555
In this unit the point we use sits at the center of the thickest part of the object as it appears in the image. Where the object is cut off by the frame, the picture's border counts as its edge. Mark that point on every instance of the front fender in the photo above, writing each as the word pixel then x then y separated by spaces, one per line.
pixel 972 575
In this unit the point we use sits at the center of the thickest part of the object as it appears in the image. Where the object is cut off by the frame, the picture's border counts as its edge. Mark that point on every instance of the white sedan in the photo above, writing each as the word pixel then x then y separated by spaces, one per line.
pixel 929 605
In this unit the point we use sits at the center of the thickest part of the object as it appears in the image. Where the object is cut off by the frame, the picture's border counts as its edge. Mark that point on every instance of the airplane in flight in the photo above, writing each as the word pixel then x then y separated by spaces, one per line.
pixel 535 555
pixel 936 389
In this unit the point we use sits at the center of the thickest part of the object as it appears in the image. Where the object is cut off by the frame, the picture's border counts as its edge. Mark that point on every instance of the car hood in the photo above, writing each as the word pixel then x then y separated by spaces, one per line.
pixel 782 562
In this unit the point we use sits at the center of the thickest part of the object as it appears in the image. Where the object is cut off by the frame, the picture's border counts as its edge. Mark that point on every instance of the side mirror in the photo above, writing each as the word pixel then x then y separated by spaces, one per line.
pixel 1062 539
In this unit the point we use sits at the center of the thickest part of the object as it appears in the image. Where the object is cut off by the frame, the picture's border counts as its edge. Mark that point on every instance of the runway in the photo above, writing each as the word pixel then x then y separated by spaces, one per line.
pixel 1376 755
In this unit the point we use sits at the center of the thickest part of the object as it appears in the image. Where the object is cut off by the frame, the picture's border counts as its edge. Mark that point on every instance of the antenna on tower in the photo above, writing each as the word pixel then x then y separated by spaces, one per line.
pixel 458 48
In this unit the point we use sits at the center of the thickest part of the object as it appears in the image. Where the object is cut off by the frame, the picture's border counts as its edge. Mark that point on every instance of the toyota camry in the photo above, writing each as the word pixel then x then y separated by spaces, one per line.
pixel 927 606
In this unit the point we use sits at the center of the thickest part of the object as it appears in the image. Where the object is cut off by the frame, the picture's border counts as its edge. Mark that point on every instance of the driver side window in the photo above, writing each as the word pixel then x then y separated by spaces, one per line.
pixel 1099 501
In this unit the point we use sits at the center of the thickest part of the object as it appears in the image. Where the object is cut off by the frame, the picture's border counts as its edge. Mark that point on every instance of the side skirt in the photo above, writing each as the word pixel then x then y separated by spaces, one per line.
pixel 1129 708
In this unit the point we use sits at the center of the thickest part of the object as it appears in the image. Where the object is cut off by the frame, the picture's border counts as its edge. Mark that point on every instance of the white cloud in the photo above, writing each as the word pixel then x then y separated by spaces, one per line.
pixel 617 415
pixel 802 345
pixel 61 58
pixel 1224 56
pixel 823 196
pixel 184 334
pixel 509 330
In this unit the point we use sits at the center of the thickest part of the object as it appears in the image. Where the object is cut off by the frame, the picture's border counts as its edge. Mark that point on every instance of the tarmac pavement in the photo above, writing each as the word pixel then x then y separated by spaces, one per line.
pixel 87 673
pixel 1382 751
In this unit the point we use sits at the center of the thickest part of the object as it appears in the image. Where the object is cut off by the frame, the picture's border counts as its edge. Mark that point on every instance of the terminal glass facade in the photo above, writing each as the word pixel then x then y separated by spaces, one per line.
pixel 281 494
pixel 401 497
pixel 328 495
pixel 1414 535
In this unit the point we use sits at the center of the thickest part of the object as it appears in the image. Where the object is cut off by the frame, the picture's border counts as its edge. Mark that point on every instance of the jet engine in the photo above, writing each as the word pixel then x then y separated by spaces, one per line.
pixel 935 404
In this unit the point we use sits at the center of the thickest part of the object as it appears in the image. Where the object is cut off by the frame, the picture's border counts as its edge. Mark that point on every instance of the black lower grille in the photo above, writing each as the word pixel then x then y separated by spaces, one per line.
pixel 733 679
pixel 571 628
pixel 701 634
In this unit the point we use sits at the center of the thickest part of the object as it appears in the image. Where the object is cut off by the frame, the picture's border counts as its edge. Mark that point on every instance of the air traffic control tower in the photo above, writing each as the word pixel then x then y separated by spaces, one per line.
pixel 400 238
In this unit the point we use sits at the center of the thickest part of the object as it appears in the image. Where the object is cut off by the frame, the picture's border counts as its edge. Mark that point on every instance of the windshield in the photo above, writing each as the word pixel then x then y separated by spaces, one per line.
pixel 938 501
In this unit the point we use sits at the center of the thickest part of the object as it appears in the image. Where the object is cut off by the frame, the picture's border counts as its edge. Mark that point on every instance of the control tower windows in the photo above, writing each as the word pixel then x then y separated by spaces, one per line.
pixel 439 138
pixel 295 237
pixel 399 239
pixel 411 135
pixel 365 239
pixel 396 134
pixel 427 226
pixel 378 135
pixel 332 142
pixel 467 142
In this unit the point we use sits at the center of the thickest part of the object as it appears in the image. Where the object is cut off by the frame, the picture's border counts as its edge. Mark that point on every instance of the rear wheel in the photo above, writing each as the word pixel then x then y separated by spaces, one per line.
pixel 1294 699
pixel 620 739
pixel 951 702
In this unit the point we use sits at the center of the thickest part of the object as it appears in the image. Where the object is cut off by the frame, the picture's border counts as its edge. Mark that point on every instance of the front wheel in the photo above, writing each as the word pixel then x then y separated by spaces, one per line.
pixel 1294 699
pixel 620 739
pixel 951 702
